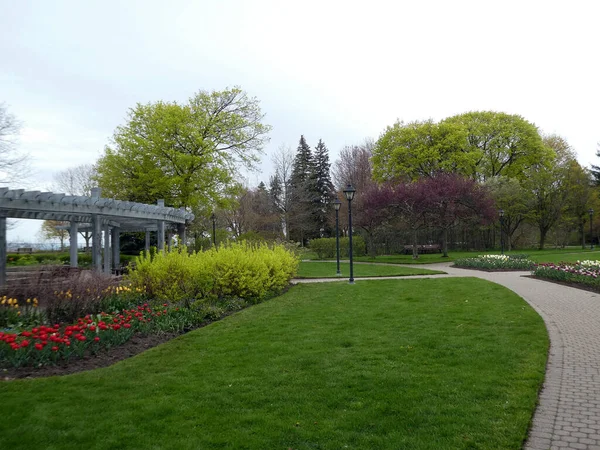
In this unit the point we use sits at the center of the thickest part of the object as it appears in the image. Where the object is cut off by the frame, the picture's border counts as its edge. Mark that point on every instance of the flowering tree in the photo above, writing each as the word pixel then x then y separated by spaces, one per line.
pixel 442 201
pixel 452 199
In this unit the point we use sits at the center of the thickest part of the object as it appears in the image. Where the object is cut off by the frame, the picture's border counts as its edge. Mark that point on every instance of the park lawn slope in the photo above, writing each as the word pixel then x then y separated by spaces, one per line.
pixel 326 269
pixel 382 364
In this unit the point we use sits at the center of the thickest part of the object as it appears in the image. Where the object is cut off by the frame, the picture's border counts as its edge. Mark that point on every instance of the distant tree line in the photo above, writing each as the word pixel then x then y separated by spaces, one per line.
pixel 420 182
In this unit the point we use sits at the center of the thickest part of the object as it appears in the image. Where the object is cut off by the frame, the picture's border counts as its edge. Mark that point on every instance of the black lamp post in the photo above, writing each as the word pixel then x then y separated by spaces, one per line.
pixel 591 212
pixel 214 221
pixel 501 214
pixel 349 193
pixel 337 204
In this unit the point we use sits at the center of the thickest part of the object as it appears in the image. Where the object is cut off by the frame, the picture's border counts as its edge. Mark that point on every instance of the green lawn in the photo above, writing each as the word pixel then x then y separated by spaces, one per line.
pixel 328 270
pixel 382 364
pixel 571 254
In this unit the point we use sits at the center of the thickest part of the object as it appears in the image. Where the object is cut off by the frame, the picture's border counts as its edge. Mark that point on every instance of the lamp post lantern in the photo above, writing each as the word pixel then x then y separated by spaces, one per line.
pixel 214 234
pixel 501 214
pixel 337 204
pixel 591 212
pixel 349 193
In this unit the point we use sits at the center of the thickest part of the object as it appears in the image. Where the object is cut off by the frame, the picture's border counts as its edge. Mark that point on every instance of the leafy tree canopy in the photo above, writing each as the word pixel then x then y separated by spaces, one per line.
pixel 479 145
pixel 186 154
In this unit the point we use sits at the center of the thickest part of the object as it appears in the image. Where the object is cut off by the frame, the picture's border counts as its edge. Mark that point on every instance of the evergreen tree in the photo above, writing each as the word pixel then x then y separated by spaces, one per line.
pixel 595 170
pixel 303 196
pixel 324 188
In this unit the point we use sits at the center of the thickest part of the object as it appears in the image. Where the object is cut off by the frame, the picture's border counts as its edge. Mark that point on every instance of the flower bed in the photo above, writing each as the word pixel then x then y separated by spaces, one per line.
pixel 585 273
pixel 42 345
pixel 496 262
pixel 91 314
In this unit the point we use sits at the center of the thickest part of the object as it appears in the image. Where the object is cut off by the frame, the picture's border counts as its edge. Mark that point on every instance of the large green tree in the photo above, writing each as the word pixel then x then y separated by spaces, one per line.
pixel 409 151
pixel 547 183
pixel 479 145
pixel 503 144
pixel 186 154
pixel 515 202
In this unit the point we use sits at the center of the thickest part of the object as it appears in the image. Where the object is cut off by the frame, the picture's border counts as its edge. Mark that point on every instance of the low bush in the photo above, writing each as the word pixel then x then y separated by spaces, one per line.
pixel 242 270
pixel 326 247
pixel 496 262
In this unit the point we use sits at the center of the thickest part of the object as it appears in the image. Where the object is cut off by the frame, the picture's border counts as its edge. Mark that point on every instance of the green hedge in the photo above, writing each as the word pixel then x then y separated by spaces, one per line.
pixel 243 270
pixel 325 247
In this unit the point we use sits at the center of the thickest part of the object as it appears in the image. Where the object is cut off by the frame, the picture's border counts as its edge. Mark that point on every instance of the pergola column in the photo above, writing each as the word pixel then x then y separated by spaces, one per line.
pixel 96 244
pixel 96 235
pixel 73 244
pixel 107 251
pixel 2 249
pixel 181 233
pixel 161 230
pixel 116 247
pixel 147 246
pixel 169 239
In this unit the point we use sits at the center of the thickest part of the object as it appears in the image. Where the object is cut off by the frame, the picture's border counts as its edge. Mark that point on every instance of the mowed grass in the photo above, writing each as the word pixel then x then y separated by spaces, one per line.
pixel 328 269
pixel 570 254
pixel 382 364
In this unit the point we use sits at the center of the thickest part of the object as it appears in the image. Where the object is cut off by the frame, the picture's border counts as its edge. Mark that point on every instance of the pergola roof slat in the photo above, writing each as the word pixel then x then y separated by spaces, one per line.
pixel 19 203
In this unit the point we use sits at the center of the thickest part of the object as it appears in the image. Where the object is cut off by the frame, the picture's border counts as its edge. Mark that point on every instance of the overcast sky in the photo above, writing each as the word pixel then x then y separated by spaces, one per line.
pixel 333 70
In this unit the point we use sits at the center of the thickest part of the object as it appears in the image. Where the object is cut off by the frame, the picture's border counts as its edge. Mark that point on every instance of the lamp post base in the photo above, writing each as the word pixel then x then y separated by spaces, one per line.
pixel 339 274
pixel 351 282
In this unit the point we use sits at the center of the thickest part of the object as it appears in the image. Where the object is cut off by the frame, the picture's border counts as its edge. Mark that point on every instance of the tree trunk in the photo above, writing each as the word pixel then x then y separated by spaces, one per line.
pixel 582 232
pixel 543 233
pixel 445 243
pixel 372 252
pixel 415 249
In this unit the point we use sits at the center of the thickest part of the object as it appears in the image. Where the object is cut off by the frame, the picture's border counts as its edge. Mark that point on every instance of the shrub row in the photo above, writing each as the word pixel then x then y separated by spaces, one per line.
pixel 84 259
pixel 326 247
pixel 240 270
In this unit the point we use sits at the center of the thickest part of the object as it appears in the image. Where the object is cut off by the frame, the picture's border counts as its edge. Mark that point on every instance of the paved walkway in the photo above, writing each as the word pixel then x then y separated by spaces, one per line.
pixel 568 414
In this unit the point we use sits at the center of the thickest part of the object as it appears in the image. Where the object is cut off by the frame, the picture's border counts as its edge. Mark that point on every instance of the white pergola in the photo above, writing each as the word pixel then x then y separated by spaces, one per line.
pixel 96 214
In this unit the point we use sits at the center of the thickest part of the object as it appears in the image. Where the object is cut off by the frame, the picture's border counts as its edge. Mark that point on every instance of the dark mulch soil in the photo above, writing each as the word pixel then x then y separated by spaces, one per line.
pixel 137 344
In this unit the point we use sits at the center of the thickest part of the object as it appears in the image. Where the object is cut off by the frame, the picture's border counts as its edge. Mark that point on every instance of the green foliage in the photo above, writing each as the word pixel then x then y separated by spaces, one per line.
pixel 326 247
pixel 419 149
pixel 496 262
pixel 184 154
pixel 243 270
pixel 479 145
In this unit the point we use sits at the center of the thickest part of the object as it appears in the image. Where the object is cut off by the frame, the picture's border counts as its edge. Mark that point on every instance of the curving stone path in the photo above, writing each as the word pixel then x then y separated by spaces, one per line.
pixel 568 413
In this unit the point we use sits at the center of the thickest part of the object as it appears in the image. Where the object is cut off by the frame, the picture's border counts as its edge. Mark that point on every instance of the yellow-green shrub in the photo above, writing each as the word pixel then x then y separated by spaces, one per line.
pixel 244 270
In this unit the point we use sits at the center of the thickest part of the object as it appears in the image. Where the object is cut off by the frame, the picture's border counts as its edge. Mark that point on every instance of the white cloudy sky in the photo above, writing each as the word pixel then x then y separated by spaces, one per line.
pixel 336 70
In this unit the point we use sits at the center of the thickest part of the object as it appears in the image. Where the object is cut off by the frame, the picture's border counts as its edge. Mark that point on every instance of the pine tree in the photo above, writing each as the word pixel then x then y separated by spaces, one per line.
pixel 324 188
pixel 303 196
pixel 595 170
